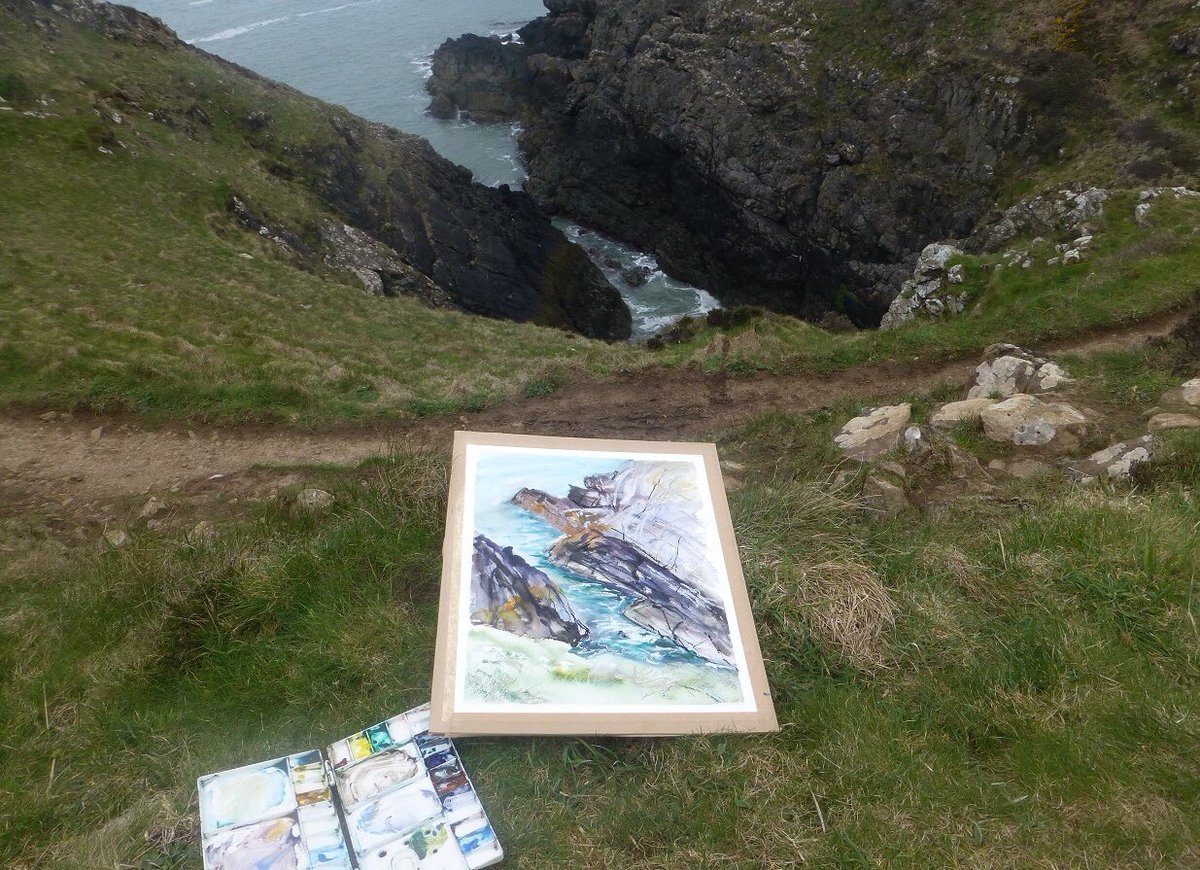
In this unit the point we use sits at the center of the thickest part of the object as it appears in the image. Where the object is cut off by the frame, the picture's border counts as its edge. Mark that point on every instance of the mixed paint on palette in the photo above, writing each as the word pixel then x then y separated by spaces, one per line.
pixel 391 797
pixel 596 582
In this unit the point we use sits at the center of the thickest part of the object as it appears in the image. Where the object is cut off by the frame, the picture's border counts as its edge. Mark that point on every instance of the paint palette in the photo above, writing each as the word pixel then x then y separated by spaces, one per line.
pixel 391 796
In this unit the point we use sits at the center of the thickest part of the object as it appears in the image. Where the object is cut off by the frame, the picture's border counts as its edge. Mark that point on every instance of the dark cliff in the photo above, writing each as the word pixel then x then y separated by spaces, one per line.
pixel 510 594
pixel 489 251
pixel 799 155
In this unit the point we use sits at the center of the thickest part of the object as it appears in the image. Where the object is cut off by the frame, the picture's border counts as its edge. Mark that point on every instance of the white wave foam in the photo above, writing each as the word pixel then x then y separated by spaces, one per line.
pixel 425 64
pixel 334 8
pixel 200 2
pixel 231 32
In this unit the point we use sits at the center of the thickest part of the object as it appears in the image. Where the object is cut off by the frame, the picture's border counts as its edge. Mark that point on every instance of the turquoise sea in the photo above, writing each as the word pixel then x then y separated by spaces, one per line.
pixel 373 57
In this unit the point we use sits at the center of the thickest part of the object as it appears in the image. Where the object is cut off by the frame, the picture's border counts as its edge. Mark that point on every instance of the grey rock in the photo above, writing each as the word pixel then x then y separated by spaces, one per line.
pixel 314 500
pixel 1186 394
pixel 203 532
pixel 1117 462
pixel 957 413
pixel 927 293
pixel 116 538
pixel 1026 421
pixel 377 266
pixel 152 508
pixel 871 435
pixel 1046 214
pixel 1168 421
pixel 882 498
pixel 1008 370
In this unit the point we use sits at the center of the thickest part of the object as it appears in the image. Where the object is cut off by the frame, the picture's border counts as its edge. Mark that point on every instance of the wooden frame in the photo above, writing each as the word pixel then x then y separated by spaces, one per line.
pixel 451 714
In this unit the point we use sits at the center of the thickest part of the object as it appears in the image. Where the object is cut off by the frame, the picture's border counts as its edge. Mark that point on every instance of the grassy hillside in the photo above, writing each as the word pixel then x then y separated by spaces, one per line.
pixel 128 285
pixel 1009 681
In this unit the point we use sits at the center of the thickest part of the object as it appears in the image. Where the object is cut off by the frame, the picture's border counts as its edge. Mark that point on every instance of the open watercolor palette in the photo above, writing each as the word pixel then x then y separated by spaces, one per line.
pixel 391 797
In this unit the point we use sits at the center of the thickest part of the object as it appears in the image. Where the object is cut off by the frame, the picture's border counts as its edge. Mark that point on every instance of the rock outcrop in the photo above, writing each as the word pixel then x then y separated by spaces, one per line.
pixel 931 291
pixel 1008 370
pixel 734 144
pixel 510 594
pixel 377 266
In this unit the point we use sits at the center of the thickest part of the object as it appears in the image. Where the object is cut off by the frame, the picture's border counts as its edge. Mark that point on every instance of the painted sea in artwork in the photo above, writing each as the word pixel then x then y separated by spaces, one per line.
pixel 596 581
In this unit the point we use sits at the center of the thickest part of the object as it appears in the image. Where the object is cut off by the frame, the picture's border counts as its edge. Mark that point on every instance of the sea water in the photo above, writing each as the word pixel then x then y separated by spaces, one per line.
pixel 374 57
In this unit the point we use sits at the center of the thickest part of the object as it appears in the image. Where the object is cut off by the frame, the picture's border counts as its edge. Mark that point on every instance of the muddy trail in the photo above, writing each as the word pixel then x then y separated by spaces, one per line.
pixel 81 461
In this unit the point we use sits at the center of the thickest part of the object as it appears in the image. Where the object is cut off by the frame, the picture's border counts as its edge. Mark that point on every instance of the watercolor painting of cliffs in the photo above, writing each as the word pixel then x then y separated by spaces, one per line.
pixel 593 587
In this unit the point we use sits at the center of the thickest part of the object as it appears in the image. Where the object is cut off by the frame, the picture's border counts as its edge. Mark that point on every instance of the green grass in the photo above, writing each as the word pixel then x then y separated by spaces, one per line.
pixel 1032 700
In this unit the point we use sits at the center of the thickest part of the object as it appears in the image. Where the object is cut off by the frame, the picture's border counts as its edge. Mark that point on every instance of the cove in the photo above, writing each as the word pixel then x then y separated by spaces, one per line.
pixel 373 57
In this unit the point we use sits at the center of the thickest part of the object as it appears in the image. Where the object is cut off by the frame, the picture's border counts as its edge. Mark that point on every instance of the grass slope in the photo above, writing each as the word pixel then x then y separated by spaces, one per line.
pixel 127 285
pixel 1024 690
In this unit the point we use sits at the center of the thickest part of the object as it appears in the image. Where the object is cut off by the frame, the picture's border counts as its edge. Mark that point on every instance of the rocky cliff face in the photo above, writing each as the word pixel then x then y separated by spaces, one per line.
pixel 488 251
pixel 759 157
pixel 510 594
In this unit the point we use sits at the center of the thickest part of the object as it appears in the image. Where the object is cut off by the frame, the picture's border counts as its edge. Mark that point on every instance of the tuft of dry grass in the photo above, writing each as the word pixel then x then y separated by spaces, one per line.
pixel 818 579
pixel 849 610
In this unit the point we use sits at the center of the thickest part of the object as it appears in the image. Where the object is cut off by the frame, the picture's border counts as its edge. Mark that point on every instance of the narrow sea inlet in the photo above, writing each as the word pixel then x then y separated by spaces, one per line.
pixel 373 57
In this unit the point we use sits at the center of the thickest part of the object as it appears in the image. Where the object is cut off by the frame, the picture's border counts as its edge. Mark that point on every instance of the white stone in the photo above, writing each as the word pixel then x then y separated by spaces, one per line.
pixel 1163 422
pixel 151 508
pixel 953 413
pixel 1187 393
pixel 314 499
pixel 116 538
pixel 1002 377
pixel 874 433
pixel 1116 462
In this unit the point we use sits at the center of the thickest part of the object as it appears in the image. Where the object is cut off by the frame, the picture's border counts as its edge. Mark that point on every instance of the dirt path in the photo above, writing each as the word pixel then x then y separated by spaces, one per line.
pixel 85 460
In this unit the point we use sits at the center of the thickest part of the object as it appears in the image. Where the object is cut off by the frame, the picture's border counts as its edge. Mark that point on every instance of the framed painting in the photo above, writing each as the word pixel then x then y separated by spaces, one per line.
pixel 592 587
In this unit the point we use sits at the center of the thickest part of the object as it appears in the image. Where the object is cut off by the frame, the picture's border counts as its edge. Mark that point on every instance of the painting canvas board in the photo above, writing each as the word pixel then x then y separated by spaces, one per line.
pixel 592 587
pixel 391 797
